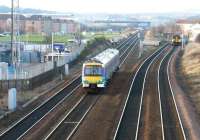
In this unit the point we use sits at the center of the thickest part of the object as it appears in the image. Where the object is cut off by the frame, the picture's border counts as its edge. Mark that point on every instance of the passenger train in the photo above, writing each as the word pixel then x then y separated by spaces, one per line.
pixel 98 70
pixel 176 40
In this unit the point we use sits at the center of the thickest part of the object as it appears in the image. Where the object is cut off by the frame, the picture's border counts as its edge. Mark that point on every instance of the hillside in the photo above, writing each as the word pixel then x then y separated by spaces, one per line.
pixel 191 60
pixel 4 9
pixel 191 72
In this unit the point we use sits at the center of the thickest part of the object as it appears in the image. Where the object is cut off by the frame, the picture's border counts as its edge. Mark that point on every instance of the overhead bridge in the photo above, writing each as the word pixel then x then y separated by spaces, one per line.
pixel 142 24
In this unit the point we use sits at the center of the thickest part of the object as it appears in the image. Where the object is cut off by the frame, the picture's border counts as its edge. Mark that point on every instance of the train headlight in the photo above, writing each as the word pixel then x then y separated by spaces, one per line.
pixel 86 81
pixel 100 81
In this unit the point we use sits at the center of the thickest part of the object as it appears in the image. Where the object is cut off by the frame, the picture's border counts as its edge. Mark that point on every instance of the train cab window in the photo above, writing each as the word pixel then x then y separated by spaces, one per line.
pixel 93 71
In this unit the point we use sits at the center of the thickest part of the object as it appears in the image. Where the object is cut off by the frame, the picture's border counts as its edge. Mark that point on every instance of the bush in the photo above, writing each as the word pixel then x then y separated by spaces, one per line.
pixel 100 39
pixel 91 48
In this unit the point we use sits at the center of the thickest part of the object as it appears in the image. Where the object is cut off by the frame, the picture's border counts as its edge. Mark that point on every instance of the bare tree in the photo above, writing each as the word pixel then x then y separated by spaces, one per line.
pixel 172 28
pixel 165 29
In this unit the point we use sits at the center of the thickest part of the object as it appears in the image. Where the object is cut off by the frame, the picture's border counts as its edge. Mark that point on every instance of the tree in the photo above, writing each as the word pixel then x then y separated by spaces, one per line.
pixel 172 28
pixel 165 29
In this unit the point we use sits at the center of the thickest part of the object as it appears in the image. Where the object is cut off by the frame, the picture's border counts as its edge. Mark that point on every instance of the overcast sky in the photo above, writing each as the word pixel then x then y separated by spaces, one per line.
pixel 110 6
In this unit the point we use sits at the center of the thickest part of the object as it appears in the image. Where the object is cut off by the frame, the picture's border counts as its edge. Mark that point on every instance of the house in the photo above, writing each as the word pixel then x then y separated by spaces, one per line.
pixel 37 24
pixel 189 27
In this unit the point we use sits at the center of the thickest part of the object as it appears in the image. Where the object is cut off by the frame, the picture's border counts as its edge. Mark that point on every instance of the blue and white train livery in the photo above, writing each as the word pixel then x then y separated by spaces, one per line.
pixel 98 70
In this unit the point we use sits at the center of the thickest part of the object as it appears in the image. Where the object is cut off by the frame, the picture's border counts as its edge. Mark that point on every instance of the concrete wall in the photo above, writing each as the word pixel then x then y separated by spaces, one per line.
pixel 29 84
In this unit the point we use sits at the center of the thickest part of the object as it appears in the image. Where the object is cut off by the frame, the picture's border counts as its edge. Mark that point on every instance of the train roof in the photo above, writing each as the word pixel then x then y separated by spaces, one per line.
pixel 93 62
pixel 105 56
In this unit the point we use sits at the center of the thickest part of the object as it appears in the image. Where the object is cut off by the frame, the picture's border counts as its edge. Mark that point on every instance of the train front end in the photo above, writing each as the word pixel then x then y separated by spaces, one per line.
pixel 93 75
pixel 176 40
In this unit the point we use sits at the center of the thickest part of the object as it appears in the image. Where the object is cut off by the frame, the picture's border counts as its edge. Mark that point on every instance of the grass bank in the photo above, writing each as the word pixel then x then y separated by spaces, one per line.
pixel 190 69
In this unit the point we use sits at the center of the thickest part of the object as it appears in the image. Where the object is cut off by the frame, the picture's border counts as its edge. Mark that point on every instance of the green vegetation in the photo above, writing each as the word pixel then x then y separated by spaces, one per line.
pixel 6 38
pixel 38 38
pixel 94 46
pixel 91 45
pixel 108 35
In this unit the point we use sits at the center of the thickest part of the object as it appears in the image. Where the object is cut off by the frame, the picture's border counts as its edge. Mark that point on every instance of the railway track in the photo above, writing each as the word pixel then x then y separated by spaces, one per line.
pixel 126 41
pixel 172 124
pixel 150 124
pixel 128 124
pixel 20 128
pixel 69 124
pixel 150 111
pixel 61 130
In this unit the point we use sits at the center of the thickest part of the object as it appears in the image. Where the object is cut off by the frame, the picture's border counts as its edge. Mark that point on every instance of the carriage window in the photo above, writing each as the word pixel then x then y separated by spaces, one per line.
pixel 93 70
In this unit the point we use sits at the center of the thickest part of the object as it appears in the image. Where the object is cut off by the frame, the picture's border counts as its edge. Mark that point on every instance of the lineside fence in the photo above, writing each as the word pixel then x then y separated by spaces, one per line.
pixel 28 76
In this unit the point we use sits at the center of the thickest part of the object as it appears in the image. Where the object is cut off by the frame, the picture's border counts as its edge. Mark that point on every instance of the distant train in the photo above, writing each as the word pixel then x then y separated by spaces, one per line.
pixel 176 40
pixel 98 70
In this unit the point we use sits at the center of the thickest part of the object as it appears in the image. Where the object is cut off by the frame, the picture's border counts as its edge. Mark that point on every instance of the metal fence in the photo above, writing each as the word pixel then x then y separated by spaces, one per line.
pixel 25 71
pixel 28 71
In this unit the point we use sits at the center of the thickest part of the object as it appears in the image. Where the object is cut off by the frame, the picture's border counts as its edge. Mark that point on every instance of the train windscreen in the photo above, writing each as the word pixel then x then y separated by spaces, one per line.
pixel 93 71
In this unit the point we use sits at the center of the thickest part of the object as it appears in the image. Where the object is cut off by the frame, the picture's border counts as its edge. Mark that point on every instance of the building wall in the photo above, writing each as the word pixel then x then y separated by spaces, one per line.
pixel 195 31
pixel 39 24
pixel 21 26
pixel 5 25
pixel 33 26
pixel 190 29
pixel 56 27
pixel 185 28
pixel 47 26
pixel 71 28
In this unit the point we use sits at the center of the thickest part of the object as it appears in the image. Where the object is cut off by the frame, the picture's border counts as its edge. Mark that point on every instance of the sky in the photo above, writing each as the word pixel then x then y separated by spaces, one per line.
pixel 110 6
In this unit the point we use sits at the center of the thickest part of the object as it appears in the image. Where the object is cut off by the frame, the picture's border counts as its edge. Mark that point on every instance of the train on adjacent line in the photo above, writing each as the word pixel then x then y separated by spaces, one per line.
pixel 97 71
pixel 176 40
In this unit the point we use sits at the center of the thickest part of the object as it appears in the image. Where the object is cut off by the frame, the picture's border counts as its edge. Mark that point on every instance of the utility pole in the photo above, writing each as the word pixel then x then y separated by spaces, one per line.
pixel 52 45
pixel 18 34
pixel 12 31
pixel 140 44
pixel 182 41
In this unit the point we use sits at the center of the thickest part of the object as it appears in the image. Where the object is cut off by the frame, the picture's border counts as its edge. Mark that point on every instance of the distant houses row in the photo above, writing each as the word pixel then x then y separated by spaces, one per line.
pixel 38 24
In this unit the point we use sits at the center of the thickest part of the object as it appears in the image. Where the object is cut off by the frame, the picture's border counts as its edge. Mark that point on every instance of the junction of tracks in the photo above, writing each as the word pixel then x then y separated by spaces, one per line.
pixel 138 103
